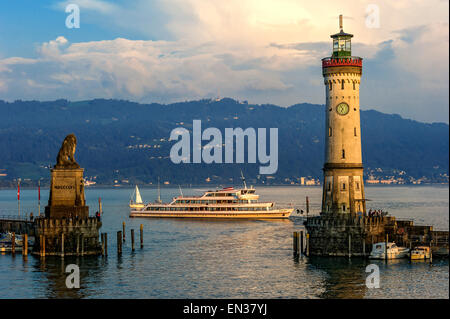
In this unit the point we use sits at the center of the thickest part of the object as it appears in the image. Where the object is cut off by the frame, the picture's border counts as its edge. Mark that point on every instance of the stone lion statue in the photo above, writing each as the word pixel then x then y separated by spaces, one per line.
pixel 66 155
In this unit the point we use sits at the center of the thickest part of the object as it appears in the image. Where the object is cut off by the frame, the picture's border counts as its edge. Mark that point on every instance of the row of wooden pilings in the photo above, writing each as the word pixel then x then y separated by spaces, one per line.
pixel 301 243
pixel 121 240
pixel 24 245
pixel 103 236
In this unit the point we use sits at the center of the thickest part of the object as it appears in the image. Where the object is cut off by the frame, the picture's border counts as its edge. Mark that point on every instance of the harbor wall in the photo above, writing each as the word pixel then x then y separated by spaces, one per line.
pixel 351 235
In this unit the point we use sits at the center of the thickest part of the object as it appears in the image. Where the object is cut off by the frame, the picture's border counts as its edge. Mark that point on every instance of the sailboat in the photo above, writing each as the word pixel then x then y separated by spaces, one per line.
pixel 137 202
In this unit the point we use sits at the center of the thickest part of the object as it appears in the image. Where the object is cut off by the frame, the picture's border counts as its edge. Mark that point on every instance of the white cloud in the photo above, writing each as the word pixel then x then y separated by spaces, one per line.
pixel 265 51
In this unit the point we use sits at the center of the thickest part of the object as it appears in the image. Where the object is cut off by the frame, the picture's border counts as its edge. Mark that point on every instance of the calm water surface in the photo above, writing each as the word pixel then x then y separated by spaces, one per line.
pixel 227 259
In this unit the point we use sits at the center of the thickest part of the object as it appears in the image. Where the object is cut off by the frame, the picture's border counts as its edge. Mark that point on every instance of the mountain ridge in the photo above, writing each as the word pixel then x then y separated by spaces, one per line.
pixel 108 131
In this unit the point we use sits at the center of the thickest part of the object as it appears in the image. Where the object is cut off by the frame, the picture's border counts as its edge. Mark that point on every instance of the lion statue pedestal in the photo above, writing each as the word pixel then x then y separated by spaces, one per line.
pixel 67 228
pixel 67 194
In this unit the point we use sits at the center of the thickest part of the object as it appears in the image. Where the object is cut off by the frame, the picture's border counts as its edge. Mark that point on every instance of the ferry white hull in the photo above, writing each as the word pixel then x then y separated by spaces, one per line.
pixel 272 214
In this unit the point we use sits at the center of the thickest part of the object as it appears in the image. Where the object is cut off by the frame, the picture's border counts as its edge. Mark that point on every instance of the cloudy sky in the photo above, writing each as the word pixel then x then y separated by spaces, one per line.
pixel 263 51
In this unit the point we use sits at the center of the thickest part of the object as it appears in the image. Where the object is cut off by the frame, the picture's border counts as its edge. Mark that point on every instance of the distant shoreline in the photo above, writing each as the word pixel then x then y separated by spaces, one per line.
pixel 175 186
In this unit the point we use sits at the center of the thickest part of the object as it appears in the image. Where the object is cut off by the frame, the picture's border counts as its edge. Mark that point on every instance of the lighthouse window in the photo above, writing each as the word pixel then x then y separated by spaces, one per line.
pixel 354 86
pixel 343 207
pixel 348 45
pixel 329 131
pixel 328 186
pixel 343 186
pixel 342 84
pixel 354 131
pixel 331 86
pixel 343 153
pixel 335 45
pixel 357 185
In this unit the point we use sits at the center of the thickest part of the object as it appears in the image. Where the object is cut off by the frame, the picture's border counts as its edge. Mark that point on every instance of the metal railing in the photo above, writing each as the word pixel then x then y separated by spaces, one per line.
pixel 347 61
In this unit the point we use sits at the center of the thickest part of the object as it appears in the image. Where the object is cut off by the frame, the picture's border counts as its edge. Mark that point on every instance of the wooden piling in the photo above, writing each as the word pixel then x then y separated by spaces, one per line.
pixel 385 247
pixel 431 251
pixel 25 245
pixel 132 240
pixel 43 245
pixel 40 245
pixel 307 244
pixel 364 247
pixel 142 235
pixel 123 231
pixel 106 244
pixel 295 241
pixel 349 245
pixel 119 242
pixel 302 251
pixel 82 244
pixel 102 238
pixel 78 245
pixel 62 245
pixel 13 243
pixel 307 206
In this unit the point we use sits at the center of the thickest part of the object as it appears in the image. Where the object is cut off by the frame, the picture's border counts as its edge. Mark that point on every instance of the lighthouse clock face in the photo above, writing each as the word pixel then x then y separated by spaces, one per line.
pixel 342 108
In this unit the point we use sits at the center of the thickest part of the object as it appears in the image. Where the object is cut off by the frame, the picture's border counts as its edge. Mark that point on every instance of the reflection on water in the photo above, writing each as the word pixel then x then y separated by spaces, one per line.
pixel 224 258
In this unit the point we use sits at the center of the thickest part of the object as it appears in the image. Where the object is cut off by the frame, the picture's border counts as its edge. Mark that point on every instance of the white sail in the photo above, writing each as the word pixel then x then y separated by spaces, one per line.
pixel 138 196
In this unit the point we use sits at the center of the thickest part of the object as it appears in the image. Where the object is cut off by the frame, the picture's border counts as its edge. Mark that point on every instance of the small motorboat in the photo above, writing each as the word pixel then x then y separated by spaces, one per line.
pixel 393 251
pixel 420 253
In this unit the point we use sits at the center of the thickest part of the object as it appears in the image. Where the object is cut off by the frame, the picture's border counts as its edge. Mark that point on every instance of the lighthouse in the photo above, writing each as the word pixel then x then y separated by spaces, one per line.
pixel 343 187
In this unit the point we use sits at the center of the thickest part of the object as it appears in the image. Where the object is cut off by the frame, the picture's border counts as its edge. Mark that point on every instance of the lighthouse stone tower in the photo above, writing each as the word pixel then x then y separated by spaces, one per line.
pixel 343 187
pixel 339 230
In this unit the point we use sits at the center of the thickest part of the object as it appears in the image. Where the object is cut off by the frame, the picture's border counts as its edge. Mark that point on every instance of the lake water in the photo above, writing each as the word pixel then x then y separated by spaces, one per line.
pixel 185 258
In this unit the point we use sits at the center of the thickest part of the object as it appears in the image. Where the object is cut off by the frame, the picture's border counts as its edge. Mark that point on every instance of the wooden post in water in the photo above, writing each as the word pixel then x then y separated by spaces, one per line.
pixel 119 242
pixel 78 245
pixel 349 245
pixel 431 251
pixel 142 235
pixel 40 245
pixel 307 206
pixel 62 245
pixel 25 245
pixel 106 244
pixel 364 247
pixel 43 245
pixel 102 238
pixel 13 243
pixel 307 244
pixel 301 243
pixel 294 238
pixel 82 245
pixel 123 231
pixel 132 240
pixel 385 247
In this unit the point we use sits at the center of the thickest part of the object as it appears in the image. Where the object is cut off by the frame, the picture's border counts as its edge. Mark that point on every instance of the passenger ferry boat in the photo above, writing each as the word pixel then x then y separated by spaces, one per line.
pixel 225 203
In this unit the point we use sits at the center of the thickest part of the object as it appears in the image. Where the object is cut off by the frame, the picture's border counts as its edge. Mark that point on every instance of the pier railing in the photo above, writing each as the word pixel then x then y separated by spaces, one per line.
pixel 23 218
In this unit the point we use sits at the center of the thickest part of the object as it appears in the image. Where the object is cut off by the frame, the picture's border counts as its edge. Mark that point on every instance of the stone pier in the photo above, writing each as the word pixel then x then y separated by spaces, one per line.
pixel 80 236
pixel 351 235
